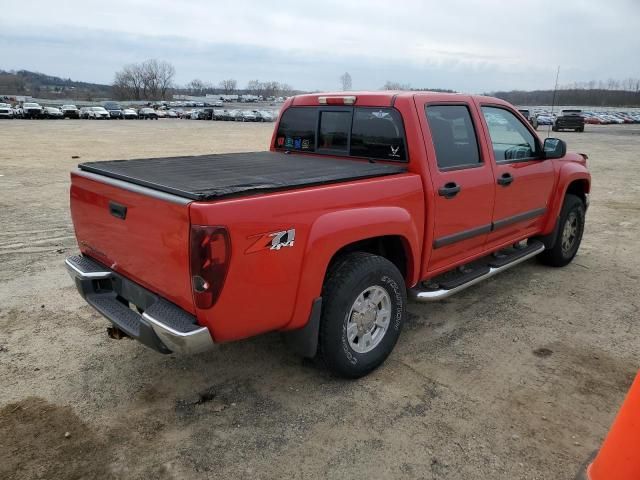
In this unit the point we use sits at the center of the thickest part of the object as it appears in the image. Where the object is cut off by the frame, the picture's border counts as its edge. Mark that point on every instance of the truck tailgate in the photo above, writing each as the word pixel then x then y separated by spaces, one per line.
pixel 145 238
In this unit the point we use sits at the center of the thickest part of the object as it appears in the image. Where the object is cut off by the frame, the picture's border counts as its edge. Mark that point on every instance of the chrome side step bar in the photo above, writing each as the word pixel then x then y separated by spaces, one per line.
pixel 424 295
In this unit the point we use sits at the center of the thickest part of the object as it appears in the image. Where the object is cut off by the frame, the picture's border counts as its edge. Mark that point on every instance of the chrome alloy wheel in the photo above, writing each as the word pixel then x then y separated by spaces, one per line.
pixel 569 232
pixel 369 319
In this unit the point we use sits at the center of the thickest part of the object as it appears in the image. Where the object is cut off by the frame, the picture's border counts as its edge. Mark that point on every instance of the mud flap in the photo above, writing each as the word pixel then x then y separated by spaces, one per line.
pixel 304 341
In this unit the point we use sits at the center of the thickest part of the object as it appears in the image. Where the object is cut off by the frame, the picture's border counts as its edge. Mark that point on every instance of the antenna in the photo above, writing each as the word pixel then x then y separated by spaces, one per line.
pixel 553 101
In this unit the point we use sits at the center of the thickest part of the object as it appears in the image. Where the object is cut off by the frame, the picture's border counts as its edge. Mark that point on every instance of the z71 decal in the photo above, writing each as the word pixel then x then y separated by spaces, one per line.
pixel 273 241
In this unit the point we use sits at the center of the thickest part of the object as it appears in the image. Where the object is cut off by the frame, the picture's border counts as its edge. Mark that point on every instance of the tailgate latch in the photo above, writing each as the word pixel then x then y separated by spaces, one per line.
pixel 117 210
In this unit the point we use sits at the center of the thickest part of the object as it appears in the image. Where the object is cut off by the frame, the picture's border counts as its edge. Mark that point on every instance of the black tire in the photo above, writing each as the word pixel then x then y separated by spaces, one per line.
pixel 581 129
pixel 565 249
pixel 554 128
pixel 348 278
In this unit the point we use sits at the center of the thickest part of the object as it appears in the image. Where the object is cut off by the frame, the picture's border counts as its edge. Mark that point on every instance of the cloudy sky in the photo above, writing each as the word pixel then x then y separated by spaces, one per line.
pixel 466 45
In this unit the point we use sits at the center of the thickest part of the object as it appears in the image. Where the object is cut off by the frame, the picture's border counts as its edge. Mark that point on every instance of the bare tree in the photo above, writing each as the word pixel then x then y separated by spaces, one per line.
pixel 196 86
pixel 271 88
pixel 149 80
pixel 229 86
pixel 285 89
pixel 345 81
pixel 254 87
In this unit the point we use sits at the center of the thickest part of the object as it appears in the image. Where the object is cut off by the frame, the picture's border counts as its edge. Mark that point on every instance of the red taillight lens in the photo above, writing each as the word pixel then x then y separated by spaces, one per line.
pixel 210 255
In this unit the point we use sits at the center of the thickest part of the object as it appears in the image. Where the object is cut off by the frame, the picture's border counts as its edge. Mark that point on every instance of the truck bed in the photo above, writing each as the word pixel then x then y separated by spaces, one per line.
pixel 209 177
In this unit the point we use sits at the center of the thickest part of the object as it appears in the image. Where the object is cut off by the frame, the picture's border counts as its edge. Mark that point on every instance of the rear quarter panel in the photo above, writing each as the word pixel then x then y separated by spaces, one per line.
pixel 268 290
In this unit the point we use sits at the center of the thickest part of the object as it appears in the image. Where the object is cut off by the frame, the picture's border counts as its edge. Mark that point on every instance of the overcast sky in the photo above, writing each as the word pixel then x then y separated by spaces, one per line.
pixel 470 45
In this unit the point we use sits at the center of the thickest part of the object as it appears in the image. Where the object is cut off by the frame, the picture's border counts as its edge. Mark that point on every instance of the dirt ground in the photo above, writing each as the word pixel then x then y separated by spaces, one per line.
pixel 518 377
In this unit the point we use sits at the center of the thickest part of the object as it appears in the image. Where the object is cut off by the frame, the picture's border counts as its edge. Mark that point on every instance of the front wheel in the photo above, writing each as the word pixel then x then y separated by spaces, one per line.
pixel 364 302
pixel 569 236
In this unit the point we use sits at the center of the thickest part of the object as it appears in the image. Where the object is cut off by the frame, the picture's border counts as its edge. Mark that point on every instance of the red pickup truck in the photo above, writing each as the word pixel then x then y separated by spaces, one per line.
pixel 363 199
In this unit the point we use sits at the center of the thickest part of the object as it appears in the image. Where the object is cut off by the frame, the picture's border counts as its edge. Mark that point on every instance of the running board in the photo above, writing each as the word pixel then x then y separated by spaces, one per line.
pixel 490 267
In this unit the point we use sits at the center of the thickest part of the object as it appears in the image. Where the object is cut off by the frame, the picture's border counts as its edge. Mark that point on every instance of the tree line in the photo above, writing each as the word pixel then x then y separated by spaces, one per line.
pixel 154 80
pixel 573 96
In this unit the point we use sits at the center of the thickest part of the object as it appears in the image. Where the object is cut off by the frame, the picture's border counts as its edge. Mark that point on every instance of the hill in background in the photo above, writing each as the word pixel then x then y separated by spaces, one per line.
pixel 39 85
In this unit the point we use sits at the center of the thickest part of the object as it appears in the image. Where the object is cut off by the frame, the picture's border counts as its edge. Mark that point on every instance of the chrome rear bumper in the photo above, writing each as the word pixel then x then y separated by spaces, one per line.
pixel 155 322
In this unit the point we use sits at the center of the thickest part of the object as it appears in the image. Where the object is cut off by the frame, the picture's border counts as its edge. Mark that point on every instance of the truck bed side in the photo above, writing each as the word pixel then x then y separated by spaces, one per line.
pixel 280 285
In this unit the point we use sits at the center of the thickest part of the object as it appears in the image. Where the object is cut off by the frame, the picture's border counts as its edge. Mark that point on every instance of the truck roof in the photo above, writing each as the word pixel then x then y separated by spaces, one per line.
pixel 387 97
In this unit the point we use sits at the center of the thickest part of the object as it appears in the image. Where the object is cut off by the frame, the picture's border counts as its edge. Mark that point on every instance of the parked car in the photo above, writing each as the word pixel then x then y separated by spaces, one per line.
pixel 545 119
pixel 234 114
pixel 52 113
pixel 161 113
pixel 114 109
pixel 84 112
pixel 197 114
pixel 18 112
pixel 531 117
pixel 129 114
pixel 147 114
pixel 569 120
pixel 97 113
pixel 218 114
pixel 172 114
pixel 6 111
pixel 70 111
pixel 246 116
pixel 31 110
pixel 263 116
pixel 311 239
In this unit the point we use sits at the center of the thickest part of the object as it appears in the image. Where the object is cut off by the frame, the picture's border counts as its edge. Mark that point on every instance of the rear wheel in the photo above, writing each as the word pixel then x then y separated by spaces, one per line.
pixel 364 300
pixel 571 228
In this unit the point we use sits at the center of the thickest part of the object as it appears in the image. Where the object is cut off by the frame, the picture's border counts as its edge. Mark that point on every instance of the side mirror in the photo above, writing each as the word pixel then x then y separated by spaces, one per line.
pixel 554 148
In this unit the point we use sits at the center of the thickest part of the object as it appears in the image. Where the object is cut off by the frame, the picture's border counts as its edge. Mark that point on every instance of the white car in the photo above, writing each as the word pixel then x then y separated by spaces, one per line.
pixel 129 114
pixel 98 113
pixel 31 110
pixel 6 111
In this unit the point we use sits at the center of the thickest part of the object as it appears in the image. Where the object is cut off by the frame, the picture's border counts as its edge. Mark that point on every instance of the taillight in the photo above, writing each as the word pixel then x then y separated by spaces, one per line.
pixel 210 255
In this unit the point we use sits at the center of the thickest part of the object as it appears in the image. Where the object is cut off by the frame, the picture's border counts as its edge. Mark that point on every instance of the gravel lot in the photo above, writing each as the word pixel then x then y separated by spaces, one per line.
pixel 516 378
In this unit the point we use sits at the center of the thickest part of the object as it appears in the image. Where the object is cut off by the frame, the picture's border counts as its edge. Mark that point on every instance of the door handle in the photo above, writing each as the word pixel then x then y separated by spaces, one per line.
pixel 505 180
pixel 449 190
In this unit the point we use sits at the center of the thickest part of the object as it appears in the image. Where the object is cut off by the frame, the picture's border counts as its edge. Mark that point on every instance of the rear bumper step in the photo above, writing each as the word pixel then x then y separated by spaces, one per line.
pixel 161 325
pixel 493 266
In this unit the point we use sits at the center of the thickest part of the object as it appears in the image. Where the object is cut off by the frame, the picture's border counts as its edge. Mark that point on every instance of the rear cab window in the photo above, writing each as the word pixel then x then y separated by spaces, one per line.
pixel 368 132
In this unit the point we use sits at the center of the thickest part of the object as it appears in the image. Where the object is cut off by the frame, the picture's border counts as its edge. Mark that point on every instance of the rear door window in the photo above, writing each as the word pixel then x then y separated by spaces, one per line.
pixel 453 136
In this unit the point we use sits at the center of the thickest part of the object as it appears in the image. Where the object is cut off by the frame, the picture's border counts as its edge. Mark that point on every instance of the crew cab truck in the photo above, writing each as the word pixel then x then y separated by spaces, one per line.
pixel 362 201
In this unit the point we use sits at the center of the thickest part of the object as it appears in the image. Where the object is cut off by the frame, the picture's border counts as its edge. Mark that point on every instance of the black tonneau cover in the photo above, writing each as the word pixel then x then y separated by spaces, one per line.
pixel 208 177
